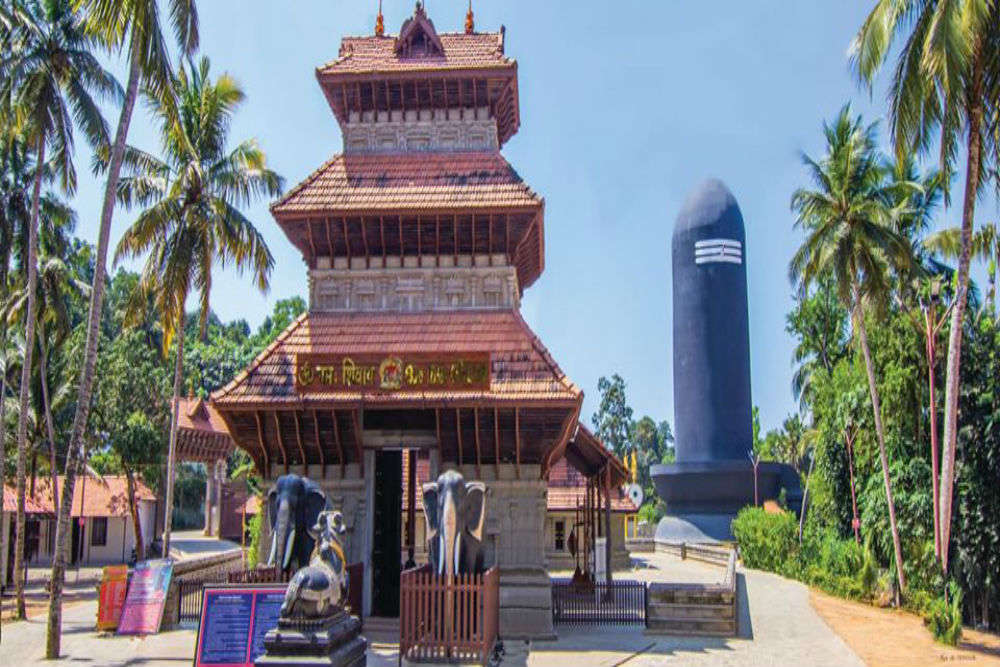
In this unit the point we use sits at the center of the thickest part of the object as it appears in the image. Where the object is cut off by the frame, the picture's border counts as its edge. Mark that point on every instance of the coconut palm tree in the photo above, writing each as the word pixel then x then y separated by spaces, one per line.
pixel 49 80
pixel 850 222
pixel 133 26
pixel 191 219
pixel 985 248
pixel 944 91
pixel 57 285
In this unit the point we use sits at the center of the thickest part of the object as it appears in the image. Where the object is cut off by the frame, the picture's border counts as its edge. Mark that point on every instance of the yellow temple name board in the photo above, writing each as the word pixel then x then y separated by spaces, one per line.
pixel 318 373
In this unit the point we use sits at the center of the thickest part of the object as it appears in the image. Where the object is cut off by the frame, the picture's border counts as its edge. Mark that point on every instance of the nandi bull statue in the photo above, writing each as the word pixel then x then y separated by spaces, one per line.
pixel 314 628
pixel 316 589
pixel 455 511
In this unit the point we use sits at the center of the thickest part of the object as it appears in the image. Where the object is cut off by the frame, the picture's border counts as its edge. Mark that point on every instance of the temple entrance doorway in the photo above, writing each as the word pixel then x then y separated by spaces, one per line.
pixel 387 533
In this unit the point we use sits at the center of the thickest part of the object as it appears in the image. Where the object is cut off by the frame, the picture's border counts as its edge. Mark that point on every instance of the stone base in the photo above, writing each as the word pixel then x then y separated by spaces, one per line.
pixel 526 604
pixel 334 641
pixel 723 487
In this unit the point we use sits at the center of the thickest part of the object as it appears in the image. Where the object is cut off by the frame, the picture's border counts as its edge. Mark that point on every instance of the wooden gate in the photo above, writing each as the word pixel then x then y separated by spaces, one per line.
pixel 453 619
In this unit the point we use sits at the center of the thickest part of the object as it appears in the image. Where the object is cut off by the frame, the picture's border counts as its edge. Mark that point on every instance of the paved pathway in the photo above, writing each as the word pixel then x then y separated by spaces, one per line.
pixel 777 626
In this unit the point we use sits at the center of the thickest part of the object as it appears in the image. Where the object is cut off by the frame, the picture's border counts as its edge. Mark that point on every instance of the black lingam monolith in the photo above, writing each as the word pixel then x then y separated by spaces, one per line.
pixel 713 474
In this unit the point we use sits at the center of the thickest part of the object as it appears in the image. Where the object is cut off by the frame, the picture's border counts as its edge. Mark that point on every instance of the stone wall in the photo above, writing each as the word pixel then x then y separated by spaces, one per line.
pixel 471 283
pixel 212 568
pixel 470 129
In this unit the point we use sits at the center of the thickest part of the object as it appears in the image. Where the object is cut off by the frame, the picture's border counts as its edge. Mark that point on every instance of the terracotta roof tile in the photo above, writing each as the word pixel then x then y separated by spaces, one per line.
pixel 367 55
pixel 101 496
pixel 567 488
pixel 409 182
pixel 522 369
pixel 31 506
pixel 197 414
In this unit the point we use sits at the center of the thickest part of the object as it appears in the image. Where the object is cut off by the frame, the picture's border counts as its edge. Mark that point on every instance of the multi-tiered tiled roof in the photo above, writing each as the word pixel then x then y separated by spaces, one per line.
pixel 522 368
pixel 410 182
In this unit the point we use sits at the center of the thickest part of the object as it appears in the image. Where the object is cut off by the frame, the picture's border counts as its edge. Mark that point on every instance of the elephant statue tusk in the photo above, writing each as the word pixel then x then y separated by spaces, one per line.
pixel 274 549
pixel 288 549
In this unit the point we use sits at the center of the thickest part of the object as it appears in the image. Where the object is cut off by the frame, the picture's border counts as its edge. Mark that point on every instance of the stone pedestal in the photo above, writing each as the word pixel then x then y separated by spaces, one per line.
pixel 334 641
pixel 526 604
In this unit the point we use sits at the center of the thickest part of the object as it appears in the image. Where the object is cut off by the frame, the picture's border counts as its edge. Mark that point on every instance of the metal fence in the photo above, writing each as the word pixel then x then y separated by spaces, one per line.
pixel 189 590
pixel 621 602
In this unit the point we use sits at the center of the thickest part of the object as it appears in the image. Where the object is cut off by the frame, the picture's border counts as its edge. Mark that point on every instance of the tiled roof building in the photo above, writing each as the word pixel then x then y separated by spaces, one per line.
pixel 419 240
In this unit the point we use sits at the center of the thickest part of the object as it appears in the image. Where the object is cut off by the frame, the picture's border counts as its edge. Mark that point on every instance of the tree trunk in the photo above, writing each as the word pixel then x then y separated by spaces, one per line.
pixel 953 376
pixel 171 453
pixel 880 433
pixel 29 345
pixel 929 316
pixel 805 498
pixel 43 368
pixel 855 522
pixel 75 449
pixel 133 508
pixel 3 448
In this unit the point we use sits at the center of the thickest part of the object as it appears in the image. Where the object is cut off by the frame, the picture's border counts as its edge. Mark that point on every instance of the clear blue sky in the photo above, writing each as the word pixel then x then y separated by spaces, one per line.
pixel 625 107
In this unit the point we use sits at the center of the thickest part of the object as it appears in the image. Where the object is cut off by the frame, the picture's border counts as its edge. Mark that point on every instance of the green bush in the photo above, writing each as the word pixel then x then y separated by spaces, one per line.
pixel 767 541
pixel 823 559
pixel 944 616
pixel 254 529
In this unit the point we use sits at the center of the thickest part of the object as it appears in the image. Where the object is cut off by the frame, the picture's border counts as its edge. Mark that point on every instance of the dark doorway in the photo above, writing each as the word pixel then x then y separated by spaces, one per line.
pixel 77 543
pixel 386 537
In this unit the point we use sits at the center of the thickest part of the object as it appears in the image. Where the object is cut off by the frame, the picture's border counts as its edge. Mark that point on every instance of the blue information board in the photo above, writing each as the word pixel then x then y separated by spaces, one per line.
pixel 234 620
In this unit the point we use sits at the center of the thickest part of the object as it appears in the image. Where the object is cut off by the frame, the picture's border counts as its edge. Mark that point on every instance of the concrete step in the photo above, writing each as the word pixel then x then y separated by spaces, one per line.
pixel 659 610
pixel 690 597
pixel 692 627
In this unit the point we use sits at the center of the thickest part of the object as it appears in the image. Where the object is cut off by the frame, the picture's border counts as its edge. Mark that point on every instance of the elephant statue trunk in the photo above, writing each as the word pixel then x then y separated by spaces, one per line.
pixel 293 504
pixel 455 512
pixel 283 539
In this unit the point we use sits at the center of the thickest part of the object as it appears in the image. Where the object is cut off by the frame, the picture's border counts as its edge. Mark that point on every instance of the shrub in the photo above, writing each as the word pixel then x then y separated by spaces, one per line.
pixel 944 616
pixel 254 529
pixel 767 541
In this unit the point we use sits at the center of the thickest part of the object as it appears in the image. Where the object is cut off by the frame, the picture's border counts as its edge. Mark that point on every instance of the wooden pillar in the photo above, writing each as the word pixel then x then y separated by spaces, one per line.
pixel 209 495
pixel 607 521
pixel 411 509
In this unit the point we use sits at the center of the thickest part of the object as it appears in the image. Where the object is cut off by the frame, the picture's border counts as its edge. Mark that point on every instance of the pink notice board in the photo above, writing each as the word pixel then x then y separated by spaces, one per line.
pixel 147 593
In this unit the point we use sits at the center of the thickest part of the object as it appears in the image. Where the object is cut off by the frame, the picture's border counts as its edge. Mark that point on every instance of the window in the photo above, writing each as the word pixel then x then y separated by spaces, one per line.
pixel 560 535
pixel 99 531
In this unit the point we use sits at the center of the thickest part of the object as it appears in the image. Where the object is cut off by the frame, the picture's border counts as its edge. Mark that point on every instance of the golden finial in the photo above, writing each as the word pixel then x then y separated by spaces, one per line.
pixel 379 22
pixel 470 21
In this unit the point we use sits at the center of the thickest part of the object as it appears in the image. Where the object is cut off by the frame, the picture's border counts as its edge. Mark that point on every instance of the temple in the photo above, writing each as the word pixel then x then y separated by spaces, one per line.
pixel 419 241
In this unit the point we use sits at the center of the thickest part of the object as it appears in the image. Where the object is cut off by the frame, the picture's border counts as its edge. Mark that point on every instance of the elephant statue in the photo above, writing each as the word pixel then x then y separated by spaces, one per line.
pixel 455 511
pixel 294 504
pixel 315 590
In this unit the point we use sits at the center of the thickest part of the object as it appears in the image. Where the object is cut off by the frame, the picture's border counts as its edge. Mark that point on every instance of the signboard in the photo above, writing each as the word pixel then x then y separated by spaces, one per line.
pixel 111 598
pixel 375 372
pixel 601 560
pixel 234 620
pixel 147 593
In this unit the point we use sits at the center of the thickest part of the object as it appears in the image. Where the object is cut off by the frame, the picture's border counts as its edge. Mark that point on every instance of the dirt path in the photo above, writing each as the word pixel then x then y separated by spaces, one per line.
pixel 899 638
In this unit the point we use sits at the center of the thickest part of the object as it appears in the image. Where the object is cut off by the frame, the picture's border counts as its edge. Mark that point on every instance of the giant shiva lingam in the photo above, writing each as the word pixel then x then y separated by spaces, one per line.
pixel 315 628
pixel 714 475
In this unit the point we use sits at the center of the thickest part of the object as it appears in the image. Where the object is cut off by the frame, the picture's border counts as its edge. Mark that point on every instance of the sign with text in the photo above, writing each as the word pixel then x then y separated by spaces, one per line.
pixel 111 598
pixel 234 620
pixel 147 593
pixel 375 372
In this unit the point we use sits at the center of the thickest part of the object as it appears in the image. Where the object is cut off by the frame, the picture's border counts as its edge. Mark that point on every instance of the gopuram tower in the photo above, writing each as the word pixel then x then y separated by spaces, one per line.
pixel 419 240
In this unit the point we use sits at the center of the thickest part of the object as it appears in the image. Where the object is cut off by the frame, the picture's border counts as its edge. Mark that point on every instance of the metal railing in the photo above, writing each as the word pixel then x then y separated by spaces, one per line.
pixel 618 603
pixel 448 618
